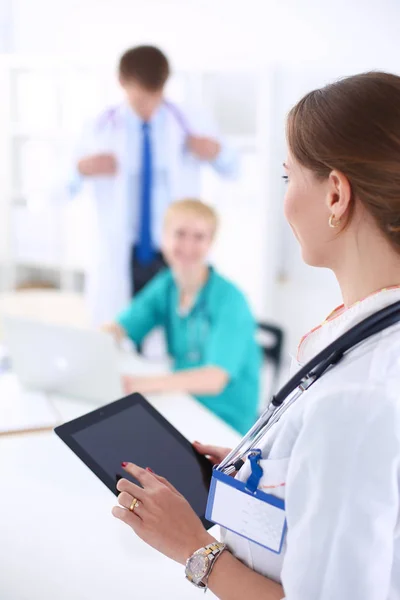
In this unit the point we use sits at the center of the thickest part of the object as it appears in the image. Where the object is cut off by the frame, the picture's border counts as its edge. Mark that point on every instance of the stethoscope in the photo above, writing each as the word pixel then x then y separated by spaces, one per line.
pixel 305 378
pixel 111 116
pixel 197 324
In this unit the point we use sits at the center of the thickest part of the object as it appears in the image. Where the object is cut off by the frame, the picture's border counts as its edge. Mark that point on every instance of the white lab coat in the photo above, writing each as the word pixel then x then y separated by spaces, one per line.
pixel 335 459
pixel 108 282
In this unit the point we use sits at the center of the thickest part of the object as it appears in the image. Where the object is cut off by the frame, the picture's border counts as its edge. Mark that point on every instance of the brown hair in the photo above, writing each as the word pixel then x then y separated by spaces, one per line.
pixel 194 207
pixel 353 126
pixel 145 64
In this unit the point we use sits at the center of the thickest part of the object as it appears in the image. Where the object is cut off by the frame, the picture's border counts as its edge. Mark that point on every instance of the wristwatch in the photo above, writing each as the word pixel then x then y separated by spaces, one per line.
pixel 200 564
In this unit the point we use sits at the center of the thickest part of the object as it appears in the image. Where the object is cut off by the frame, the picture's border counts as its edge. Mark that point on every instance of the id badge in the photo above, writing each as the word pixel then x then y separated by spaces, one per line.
pixel 245 510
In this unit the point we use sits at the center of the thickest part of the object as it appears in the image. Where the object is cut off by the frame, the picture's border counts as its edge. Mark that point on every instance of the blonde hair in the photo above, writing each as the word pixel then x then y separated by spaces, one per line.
pixel 194 207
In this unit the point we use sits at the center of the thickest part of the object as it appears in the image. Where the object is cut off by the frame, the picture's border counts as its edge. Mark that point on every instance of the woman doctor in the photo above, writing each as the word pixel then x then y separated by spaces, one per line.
pixel 208 325
pixel 335 454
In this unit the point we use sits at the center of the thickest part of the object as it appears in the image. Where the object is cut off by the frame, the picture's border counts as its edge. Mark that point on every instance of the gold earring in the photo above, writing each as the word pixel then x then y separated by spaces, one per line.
pixel 332 224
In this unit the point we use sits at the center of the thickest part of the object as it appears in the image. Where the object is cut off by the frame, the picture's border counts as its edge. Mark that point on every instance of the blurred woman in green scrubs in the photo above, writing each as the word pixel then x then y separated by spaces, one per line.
pixel 210 330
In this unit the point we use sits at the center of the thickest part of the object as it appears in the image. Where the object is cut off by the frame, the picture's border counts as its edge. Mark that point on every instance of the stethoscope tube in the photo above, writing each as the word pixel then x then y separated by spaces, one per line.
pixel 305 377
pixel 111 116
pixel 333 353
pixel 198 322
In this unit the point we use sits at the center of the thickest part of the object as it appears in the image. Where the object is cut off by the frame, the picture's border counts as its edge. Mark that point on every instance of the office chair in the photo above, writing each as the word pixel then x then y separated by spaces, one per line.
pixel 270 338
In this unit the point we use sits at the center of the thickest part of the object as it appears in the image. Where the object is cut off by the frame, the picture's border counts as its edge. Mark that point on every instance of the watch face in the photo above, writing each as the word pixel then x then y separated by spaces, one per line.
pixel 198 566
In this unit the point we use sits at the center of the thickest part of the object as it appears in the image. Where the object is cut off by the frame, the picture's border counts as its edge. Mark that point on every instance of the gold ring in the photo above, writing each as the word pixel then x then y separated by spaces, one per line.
pixel 134 504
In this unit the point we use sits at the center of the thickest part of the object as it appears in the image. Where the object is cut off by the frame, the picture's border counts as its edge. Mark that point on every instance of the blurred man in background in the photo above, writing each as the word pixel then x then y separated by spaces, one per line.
pixel 137 158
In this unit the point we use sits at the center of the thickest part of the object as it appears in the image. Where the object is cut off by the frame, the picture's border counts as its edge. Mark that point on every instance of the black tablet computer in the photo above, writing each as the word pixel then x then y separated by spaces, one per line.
pixel 132 430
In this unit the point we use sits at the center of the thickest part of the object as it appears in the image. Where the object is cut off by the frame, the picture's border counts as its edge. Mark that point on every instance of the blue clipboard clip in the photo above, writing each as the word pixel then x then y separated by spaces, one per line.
pixel 256 471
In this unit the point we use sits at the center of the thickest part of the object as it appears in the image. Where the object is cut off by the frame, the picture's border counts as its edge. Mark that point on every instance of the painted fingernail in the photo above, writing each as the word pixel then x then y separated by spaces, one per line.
pixel 150 470
pixel 124 464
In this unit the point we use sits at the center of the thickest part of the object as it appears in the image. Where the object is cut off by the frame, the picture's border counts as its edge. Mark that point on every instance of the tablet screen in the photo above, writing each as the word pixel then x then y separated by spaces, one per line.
pixel 138 433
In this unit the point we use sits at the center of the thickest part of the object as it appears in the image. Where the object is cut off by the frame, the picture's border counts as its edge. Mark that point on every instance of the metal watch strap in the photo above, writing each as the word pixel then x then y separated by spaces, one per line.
pixel 219 547
pixel 212 551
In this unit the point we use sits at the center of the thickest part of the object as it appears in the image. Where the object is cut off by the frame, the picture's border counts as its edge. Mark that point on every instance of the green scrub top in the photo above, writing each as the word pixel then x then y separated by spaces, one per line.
pixel 218 331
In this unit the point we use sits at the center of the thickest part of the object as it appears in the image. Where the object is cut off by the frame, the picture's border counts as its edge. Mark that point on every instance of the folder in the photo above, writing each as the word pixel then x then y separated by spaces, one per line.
pixel 24 411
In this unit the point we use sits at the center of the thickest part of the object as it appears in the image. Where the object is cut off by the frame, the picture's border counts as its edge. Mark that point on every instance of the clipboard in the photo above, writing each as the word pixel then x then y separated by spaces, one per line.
pixel 242 508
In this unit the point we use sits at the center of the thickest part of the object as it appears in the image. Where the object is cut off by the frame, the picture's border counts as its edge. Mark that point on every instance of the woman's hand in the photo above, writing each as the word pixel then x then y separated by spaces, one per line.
pixel 114 330
pixel 163 519
pixel 215 454
pixel 141 385
pixel 129 384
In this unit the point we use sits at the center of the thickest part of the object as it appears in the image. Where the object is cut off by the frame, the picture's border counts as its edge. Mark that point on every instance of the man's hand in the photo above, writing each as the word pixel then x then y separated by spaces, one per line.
pixel 203 147
pixel 97 164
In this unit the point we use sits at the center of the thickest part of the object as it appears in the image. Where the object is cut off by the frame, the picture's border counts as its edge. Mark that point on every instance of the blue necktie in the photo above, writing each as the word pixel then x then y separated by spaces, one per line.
pixel 144 248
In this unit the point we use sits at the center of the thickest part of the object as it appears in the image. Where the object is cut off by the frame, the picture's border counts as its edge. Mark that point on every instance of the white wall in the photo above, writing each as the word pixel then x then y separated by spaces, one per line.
pixel 6 31
pixel 191 31
pixel 208 31
pixel 307 41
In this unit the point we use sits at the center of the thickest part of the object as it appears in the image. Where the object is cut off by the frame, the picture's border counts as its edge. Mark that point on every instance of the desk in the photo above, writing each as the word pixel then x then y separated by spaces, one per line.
pixel 58 539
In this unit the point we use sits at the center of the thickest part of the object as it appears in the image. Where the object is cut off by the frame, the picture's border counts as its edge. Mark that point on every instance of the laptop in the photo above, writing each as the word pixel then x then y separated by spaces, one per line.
pixel 82 363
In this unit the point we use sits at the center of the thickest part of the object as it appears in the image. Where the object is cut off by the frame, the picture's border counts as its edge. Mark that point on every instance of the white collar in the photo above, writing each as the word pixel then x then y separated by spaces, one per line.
pixel 334 326
pixel 158 115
